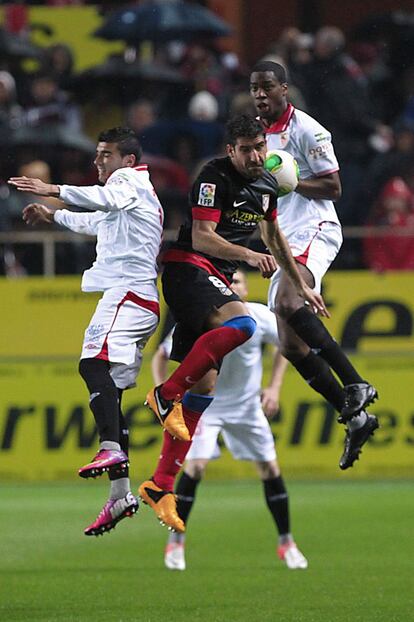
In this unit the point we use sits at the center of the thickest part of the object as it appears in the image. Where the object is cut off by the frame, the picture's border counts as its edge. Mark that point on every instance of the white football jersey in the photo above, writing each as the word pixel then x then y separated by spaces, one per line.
pixel 127 219
pixel 310 143
pixel 240 377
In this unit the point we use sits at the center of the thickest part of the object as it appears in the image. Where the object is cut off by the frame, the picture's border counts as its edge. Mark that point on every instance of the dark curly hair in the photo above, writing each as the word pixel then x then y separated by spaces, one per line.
pixel 243 126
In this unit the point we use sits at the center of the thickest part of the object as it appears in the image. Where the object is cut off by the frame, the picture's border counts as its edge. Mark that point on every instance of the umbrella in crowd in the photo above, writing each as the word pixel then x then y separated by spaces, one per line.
pixel 116 68
pixel 122 81
pixel 161 21
pixel 53 136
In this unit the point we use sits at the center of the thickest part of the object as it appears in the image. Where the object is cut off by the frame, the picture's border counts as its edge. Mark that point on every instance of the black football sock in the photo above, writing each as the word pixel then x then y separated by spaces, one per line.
pixel 318 375
pixel 103 397
pixel 115 472
pixel 186 492
pixel 312 331
pixel 278 503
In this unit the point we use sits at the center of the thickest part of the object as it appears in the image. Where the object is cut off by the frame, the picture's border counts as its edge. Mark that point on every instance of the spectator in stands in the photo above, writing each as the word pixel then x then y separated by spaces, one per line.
pixel 292 50
pixel 394 250
pixel 58 62
pixel 337 93
pixel 203 123
pixel 397 162
pixel 48 104
pixel 140 115
pixel 10 111
pixel 38 169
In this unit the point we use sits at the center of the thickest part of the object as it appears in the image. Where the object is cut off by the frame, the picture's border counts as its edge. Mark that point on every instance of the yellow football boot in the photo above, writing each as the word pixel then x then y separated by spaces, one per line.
pixel 169 413
pixel 163 503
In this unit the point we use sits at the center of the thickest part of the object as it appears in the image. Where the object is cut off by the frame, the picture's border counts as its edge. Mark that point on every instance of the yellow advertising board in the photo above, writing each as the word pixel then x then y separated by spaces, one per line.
pixel 47 431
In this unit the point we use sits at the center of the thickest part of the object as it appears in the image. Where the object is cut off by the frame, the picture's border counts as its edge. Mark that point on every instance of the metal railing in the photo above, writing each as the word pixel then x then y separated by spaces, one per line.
pixel 50 239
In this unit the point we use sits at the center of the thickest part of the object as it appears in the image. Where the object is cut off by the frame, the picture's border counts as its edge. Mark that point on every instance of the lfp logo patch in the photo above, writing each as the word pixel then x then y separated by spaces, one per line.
pixel 206 194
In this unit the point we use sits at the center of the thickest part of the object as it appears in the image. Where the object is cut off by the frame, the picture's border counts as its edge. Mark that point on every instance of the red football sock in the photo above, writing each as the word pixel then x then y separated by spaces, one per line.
pixel 205 354
pixel 173 453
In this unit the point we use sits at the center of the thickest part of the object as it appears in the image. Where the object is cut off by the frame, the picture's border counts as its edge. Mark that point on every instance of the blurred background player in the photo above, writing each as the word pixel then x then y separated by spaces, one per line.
pixel 126 217
pixel 239 412
pixel 231 198
pixel 309 221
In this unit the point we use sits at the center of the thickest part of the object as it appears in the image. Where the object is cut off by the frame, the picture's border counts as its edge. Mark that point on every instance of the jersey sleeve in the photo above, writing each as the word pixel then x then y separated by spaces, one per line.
pixel 79 222
pixel 208 195
pixel 119 193
pixel 318 150
pixel 266 320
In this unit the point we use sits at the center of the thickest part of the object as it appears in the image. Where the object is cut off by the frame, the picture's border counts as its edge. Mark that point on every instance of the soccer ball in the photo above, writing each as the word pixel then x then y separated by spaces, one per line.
pixel 284 167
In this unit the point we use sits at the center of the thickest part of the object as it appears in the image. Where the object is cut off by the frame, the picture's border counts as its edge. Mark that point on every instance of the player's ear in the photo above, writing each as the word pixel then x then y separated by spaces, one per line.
pixel 229 149
pixel 130 160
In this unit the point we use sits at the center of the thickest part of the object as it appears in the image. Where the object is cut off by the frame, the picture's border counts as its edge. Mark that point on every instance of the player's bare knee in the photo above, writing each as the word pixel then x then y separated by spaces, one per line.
pixel 286 305
pixel 268 470
pixel 196 468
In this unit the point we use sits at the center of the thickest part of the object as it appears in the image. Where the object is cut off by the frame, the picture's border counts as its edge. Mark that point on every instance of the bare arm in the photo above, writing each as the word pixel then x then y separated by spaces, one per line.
pixel 206 240
pixel 271 393
pixel 276 242
pixel 324 187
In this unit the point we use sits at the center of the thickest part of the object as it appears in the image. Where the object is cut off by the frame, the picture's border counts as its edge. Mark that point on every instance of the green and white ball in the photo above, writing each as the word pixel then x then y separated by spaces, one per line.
pixel 284 167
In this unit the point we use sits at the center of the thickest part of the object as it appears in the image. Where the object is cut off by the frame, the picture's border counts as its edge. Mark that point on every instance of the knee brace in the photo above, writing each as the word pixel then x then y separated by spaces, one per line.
pixel 196 402
pixel 244 323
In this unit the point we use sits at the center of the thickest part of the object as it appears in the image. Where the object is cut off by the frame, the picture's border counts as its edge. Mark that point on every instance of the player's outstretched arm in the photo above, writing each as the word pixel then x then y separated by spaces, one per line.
pixel 36 214
pixel 35 186
pixel 276 242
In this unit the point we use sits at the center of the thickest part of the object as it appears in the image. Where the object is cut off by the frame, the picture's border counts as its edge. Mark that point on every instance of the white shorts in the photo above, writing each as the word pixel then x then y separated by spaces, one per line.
pixel 118 331
pixel 247 439
pixel 315 247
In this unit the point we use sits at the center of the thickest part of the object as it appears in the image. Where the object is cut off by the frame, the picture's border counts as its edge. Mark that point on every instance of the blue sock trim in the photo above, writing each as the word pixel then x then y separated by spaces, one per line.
pixel 242 322
pixel 197 403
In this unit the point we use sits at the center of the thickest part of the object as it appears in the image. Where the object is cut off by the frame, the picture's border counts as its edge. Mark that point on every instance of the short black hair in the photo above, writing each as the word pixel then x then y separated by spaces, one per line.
pixel 125 138
pixel 267 65
pixel 243 126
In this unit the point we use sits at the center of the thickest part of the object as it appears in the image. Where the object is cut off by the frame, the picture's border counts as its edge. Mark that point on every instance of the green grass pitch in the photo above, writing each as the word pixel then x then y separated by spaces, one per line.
pixel 357 537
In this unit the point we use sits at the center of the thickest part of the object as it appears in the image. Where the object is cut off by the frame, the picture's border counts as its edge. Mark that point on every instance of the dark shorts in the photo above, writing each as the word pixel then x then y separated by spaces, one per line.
pixel 191 294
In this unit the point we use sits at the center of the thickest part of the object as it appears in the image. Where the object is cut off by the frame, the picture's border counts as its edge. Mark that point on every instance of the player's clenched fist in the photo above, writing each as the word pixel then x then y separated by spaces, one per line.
pixel 265 263
pixel 35 213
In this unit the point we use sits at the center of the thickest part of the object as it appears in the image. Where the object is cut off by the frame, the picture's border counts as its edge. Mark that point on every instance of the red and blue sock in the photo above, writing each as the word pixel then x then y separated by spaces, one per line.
pixel 207 353
pixel 173 451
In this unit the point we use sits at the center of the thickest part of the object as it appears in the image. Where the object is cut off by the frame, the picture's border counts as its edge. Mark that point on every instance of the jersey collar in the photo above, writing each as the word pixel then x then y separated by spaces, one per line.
pixel 282 123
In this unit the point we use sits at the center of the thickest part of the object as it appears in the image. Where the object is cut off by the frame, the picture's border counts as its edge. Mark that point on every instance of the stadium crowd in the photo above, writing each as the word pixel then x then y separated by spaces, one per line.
pixel 359 86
